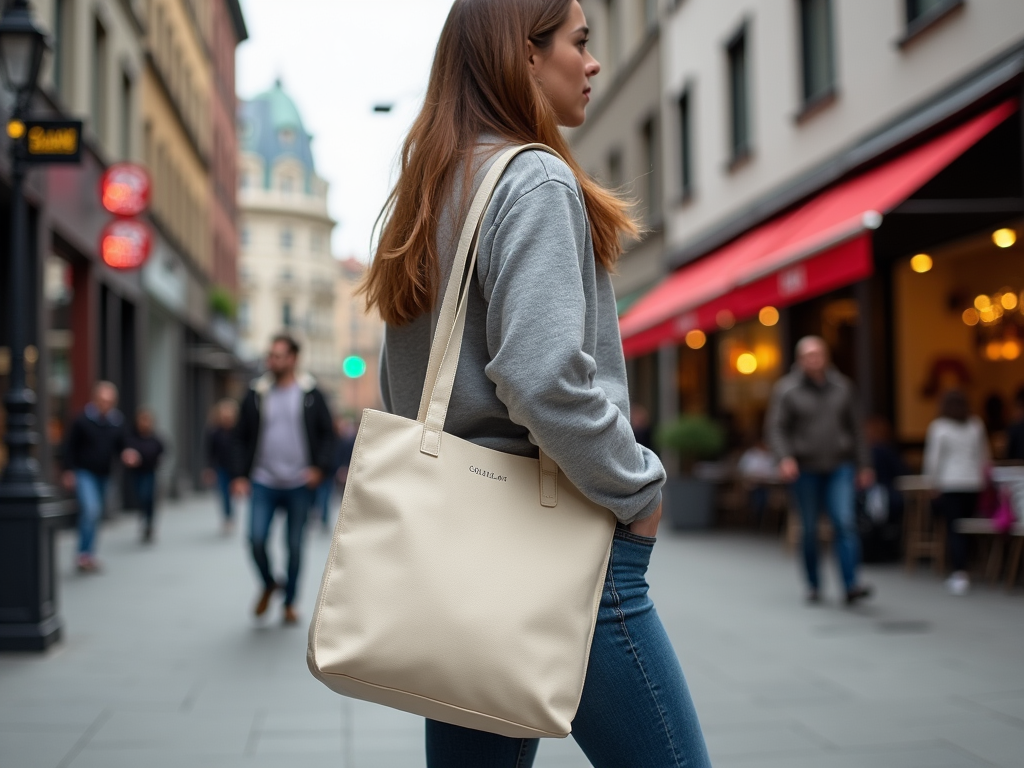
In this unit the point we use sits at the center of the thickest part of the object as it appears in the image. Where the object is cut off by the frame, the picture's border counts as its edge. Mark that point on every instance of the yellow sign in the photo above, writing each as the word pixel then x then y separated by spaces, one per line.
pixel 15 129
pixel 52 141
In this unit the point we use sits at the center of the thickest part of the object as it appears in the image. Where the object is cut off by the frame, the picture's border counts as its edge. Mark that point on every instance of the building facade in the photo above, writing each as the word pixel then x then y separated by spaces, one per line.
pixel 847 169
pixel 138 74
pixel 288 274
pixel 189 338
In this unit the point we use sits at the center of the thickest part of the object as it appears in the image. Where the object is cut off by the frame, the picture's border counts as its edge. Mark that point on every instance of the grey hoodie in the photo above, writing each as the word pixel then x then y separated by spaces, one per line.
pixel 541 359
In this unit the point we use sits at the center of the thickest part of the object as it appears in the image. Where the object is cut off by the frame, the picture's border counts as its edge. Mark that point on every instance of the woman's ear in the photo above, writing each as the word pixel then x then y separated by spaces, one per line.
pixel 531 56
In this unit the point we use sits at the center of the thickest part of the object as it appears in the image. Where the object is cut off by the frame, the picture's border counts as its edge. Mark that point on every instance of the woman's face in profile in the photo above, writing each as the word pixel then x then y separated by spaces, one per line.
pixel 563 71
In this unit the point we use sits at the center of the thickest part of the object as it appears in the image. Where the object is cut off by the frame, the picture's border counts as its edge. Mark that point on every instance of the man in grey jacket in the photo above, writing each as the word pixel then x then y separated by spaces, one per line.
pixel 814 428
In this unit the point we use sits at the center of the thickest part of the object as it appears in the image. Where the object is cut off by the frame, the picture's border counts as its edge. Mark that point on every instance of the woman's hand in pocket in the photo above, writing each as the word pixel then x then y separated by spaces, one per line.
pixel 648 526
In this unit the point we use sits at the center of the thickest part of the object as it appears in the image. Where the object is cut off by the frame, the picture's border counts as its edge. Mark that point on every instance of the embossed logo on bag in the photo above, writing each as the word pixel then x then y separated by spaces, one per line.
pixel 488 475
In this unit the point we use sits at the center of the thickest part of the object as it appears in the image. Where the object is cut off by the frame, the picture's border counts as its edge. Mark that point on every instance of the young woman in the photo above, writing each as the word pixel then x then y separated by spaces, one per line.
pixel 541 360
pixel 956 455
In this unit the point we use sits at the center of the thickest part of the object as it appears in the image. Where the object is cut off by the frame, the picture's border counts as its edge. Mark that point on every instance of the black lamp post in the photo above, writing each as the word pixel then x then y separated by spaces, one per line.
pixel 29 508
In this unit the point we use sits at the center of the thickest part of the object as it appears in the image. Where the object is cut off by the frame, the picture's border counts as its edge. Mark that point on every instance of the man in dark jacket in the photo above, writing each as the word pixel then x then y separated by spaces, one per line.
pixel 284 447
pixel 96 438
pixel 814 428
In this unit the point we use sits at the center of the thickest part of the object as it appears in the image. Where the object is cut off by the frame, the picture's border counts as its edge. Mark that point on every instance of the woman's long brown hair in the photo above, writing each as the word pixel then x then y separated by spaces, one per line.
pixel 480 83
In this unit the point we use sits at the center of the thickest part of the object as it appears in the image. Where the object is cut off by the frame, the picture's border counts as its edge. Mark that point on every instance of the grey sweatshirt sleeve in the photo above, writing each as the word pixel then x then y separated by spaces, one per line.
pixel 536 310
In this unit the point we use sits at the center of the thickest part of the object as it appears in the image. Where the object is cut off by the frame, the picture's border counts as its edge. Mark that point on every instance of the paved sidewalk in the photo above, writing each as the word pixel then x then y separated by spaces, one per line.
pixel 162 665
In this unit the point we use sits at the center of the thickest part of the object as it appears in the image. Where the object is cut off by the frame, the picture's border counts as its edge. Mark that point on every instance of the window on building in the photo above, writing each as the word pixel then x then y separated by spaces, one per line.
pixel 243 315
pixel 685 145
pixel 817 49
pixel 287 239
pixel 650 14
pixel 243 236
pixel 98 105
pixel 62 38
pixel 316 242
pixel 287 184
pixel 613 32
pixel 918 10
pixel 615 174
pixel 652 175
pixel 126 117
pixel 739 96
pixel 286 314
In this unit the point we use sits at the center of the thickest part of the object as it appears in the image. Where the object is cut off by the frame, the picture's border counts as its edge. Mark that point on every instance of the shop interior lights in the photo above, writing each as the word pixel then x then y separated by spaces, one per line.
pixel 725 319
pixel 999 323
pixel 768 316
pixel 696 339
pixel 746 363
pixel 921 263
pixel 1004 238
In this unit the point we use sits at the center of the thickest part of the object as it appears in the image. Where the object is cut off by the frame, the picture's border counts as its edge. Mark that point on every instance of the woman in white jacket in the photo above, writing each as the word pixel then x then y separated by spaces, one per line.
pixel 956 455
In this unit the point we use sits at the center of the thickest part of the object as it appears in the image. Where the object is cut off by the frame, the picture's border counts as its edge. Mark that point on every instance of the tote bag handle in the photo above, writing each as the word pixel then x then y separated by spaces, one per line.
pixel 451 324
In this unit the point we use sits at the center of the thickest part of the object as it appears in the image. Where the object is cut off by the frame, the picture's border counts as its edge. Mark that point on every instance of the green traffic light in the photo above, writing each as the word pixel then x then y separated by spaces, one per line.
pixel 353 367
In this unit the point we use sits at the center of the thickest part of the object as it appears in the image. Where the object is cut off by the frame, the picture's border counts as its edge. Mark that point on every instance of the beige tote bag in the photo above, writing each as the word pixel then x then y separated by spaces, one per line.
pixel 463 583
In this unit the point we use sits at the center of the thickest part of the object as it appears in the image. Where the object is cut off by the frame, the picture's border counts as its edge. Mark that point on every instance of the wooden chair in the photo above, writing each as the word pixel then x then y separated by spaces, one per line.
pixel 984 527
pixel 922 536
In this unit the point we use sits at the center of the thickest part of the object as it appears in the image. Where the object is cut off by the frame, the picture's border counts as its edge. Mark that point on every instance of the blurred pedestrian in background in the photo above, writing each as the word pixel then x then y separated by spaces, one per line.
pixel 1015 432
pixel 882 520
pixel 640 421
pixel 956 459
pixel 283 450
pixel 95 440
pixel 757 469
pixel 148 449
pixel 345 442
pixel 219 453
pixel 814 428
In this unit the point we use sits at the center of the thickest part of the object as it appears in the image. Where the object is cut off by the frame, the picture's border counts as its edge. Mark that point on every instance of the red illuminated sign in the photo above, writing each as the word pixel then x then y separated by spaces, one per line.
pixel 125 244
pixel 125 189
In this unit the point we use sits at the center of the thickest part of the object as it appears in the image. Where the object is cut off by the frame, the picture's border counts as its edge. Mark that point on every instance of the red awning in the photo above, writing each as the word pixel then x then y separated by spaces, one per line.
pixel 823 245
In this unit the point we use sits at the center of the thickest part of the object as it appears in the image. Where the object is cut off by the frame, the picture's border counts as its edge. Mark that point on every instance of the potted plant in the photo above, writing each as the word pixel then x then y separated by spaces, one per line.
pixel 689 501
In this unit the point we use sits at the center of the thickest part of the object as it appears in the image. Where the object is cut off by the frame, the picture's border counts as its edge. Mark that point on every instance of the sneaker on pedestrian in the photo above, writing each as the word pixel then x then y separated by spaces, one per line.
pixel 813 597
pixel 855 595
pixel 88 564
pixel 264 601
pixel 958 584
pixel 290 616
pixel 147 536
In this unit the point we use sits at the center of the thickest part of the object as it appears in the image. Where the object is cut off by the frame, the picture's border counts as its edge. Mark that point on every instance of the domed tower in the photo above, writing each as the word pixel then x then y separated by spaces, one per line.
pixel 287 272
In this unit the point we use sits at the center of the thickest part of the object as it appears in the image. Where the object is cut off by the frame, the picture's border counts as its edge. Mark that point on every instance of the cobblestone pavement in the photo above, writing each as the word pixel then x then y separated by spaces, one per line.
pixel 162 665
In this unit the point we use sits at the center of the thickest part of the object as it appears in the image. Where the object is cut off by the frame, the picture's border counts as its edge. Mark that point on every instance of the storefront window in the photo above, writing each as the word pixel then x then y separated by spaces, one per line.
pixel 58 294
pixel 749 362
pixel 959 324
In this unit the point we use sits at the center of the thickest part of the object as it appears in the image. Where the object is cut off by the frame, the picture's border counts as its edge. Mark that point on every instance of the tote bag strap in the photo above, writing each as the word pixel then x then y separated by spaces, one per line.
pixel 451 324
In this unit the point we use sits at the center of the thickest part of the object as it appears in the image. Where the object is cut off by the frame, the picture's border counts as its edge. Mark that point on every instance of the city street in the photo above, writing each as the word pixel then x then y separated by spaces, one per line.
pixel 162 665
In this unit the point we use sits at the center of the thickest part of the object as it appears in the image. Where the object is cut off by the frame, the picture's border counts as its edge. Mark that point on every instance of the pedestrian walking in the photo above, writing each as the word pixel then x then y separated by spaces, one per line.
pixel 541 360
pixel 344 442
pixel 148 448
pixel 219 458
pixel 814 428
pixel 96 439
pixel 956 458
pixel 283 448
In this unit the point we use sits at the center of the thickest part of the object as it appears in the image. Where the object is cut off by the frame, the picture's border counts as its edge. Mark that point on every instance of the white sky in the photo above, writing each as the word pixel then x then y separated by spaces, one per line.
pixel 337 58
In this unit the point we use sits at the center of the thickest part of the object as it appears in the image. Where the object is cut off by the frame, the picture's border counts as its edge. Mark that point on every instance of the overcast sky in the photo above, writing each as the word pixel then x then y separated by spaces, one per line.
pixel 337 59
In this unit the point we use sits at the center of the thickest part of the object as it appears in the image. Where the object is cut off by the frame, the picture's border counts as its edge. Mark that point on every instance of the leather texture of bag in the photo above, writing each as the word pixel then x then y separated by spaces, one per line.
pixel 463 583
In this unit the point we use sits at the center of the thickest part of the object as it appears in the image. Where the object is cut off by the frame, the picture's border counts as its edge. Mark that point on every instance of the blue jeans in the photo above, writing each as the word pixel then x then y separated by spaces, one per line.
pixel 265 502
pixel 91 490
pixel 145 490
pixel 224 491
pixel 635 711
pixel 835 492
pixel 322 499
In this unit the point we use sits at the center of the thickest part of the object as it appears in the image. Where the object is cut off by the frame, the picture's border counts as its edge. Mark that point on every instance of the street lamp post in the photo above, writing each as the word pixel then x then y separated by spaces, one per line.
pixel 29 508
